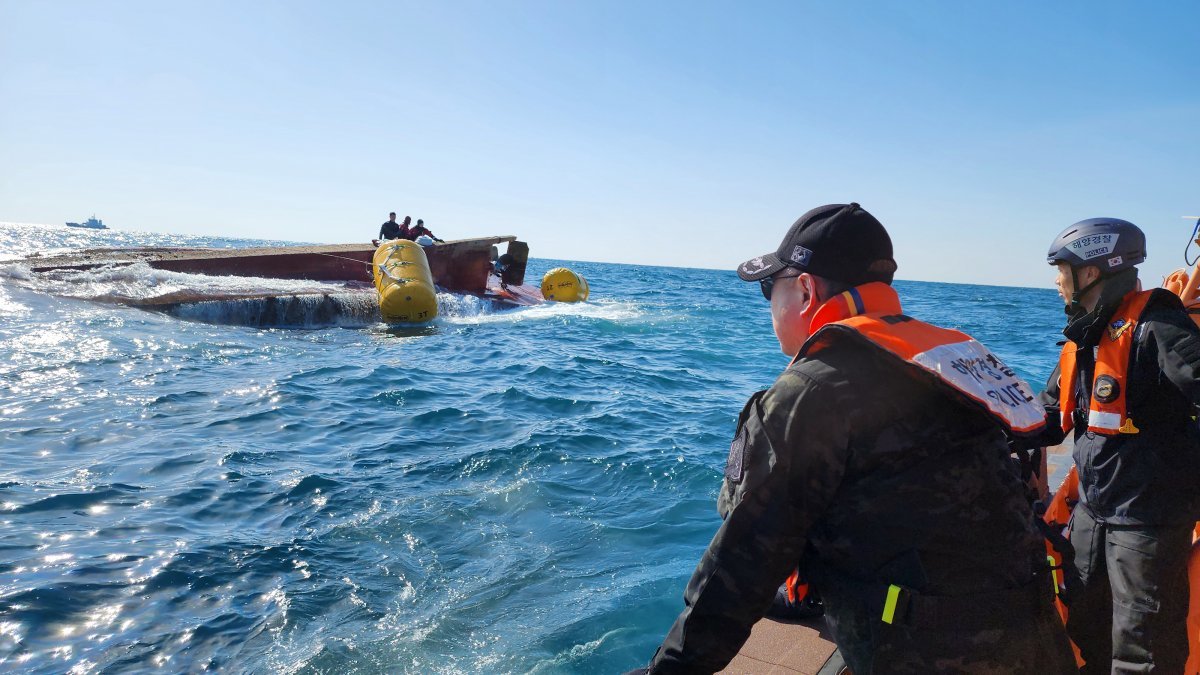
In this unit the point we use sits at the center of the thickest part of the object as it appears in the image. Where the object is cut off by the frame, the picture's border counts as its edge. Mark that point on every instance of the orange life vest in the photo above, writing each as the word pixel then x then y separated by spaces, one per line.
pixel 1108 413
pixel 949 357
pixel 1111 417
pixel 1058 516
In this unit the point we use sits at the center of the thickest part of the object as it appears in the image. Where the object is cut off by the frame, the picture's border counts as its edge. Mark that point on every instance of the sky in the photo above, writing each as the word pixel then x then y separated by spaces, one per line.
pixel 687 134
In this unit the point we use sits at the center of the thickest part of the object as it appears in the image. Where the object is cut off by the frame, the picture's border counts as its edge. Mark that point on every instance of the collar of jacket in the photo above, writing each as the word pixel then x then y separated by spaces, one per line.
pixel 875 297
pixel 1086 330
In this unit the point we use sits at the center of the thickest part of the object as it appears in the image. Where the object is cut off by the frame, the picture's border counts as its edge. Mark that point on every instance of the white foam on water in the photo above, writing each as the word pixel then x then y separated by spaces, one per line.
pixel 139 283
pixel 452 306
pixel 17 272
pixel 605 310
pixel 563 660
pixel 469 310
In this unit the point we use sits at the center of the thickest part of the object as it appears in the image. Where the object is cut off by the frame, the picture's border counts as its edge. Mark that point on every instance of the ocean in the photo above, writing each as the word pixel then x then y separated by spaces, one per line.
pixel 504 491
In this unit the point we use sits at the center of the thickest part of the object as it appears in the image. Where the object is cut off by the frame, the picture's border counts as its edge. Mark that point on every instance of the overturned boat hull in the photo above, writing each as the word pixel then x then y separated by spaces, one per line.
pixel 463 267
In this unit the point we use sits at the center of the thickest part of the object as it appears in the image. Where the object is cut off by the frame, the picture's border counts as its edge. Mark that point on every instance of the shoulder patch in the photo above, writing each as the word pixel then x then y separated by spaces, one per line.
pixel 1117 328
pixel 737 455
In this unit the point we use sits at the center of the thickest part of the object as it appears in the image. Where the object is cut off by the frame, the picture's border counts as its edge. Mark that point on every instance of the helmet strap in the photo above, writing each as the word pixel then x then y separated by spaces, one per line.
pixel 1076 308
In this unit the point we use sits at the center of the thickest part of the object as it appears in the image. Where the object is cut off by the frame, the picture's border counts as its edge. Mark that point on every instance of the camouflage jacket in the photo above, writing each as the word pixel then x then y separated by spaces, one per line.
pixel 872 476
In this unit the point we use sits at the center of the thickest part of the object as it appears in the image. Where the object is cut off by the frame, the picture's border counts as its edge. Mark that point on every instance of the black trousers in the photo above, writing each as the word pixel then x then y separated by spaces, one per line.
pixel 1129 603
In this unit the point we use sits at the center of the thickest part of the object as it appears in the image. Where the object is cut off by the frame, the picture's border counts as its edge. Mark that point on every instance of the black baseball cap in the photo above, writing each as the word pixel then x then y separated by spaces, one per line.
pixel 840 242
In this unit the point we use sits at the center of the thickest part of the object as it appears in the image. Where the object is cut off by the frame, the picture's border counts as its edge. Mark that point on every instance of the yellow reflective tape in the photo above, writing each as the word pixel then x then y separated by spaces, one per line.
pixel 849 299
pixel 889 605
pixel 1053 576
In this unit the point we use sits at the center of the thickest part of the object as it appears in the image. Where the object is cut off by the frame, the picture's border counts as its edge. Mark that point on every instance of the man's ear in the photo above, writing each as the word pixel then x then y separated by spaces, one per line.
pixel 809 284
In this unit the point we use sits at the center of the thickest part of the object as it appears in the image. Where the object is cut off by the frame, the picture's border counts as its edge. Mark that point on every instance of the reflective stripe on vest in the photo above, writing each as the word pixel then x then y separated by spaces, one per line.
pixel 1108 413
pixel 953 358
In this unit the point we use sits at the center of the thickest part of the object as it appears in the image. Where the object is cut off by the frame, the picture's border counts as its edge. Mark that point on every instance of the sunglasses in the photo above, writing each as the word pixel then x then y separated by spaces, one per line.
pixel 768 284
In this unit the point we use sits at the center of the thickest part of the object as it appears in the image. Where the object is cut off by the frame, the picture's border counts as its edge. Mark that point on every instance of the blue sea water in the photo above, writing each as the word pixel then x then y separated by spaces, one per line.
pixel 503 492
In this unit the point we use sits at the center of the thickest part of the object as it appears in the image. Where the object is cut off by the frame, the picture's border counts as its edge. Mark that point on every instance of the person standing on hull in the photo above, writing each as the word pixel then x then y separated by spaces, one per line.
pixel 880 459
pixel 1126 386
pixel 393 230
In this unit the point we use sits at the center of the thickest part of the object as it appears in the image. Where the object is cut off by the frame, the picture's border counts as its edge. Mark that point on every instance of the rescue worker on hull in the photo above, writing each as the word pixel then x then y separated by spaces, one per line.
pixel 880 459
pixel 1125 386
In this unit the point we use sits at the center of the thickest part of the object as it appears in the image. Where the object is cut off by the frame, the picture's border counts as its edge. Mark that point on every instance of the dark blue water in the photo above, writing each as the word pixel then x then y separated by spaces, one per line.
pixel 521 491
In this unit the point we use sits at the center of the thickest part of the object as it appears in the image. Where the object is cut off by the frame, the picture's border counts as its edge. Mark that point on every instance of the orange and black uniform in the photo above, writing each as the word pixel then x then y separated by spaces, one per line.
pixel 876 471
pixel 1128 398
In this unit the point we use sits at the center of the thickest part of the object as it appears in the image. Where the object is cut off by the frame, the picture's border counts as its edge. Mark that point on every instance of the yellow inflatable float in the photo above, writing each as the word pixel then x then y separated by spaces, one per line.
pixel 405 285
pixel 562 285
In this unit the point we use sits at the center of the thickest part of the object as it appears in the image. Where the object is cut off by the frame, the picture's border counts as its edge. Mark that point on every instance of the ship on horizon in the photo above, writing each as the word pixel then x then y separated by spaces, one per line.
pixel 92 223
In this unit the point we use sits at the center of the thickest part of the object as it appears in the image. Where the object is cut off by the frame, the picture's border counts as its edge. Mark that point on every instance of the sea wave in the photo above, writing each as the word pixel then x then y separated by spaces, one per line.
pixel 504 491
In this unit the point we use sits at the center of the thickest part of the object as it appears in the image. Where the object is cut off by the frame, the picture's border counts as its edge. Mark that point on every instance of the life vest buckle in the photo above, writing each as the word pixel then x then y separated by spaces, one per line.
pixel 1128 427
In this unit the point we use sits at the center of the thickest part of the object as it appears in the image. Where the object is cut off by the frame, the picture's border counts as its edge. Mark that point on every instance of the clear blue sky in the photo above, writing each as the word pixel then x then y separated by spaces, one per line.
pixel 687 134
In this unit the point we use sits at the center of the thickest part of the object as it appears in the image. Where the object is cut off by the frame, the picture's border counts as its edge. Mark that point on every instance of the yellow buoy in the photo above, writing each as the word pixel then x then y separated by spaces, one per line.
pixel 405 285
pixel 562 285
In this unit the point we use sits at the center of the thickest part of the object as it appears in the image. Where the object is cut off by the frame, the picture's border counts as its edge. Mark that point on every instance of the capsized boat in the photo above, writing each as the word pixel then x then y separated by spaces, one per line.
pixel 461 266
pixel 466 266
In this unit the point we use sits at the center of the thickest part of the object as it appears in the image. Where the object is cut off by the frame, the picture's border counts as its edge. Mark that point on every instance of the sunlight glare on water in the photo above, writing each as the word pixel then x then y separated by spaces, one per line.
pixel 503 491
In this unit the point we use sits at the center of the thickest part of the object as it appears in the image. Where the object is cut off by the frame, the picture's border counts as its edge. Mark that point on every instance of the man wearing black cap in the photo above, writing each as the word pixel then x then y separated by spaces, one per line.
pixel 879 459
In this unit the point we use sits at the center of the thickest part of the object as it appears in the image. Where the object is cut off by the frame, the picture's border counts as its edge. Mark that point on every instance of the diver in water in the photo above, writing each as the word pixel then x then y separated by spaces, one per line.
pixel 1126 386
pixel 880 459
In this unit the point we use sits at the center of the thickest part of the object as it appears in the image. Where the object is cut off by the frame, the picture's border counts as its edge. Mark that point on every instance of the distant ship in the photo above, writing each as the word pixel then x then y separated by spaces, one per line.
pixel 91 223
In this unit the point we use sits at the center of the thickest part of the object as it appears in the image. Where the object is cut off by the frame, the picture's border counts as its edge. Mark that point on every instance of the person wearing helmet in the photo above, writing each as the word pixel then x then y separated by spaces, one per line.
pixel 879 459
pixel 1126 388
